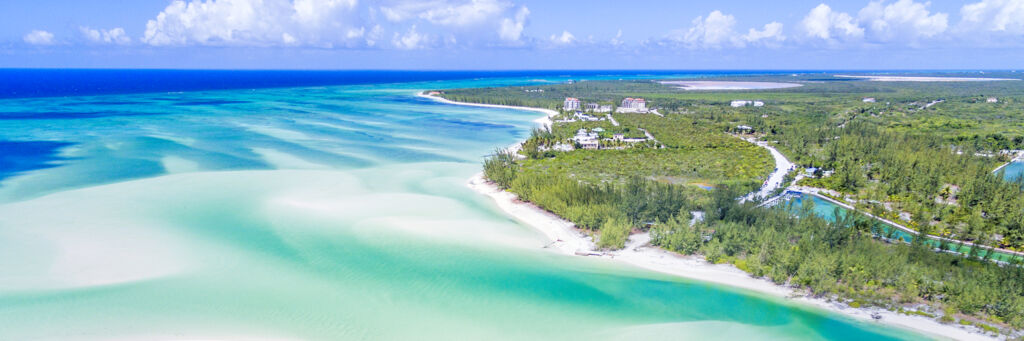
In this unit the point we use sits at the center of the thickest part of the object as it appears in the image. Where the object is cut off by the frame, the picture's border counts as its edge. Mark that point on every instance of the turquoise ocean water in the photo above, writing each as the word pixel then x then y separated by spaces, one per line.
pixel 314 213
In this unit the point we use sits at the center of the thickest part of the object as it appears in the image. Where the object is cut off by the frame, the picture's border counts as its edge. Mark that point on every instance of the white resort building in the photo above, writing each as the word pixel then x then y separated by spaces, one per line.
pixel 632 105
pixel 992 100
pixel 571 103
pixel 743 103
pixel 868 100
pixel 586 140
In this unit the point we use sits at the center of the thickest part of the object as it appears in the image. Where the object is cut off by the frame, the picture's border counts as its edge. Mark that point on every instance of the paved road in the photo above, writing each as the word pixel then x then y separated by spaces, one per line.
pixel 782 166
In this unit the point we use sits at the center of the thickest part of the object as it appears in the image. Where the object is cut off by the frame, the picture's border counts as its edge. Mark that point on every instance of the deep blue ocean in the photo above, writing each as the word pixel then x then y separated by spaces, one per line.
pixel 16 83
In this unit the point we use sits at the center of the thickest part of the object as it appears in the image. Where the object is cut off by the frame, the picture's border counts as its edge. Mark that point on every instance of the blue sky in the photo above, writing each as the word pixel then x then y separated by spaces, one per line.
pixel 513 34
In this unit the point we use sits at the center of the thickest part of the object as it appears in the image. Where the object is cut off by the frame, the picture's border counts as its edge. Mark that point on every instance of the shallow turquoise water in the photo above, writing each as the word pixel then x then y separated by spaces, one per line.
pixel 1013 170
pixel 327 213
pixel 828 210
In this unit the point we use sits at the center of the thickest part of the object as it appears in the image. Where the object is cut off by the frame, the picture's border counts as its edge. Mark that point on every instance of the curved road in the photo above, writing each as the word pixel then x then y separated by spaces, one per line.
pixel 782 166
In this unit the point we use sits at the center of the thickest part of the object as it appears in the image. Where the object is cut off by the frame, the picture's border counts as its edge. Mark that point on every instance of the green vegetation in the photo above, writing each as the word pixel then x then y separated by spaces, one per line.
pixel 846 260
pixel 921 154
pixel 611 209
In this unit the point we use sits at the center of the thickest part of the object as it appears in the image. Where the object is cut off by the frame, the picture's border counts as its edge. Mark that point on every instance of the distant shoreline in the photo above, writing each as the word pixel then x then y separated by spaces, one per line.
pixel 925 79
pixel 568 240
pixel 730 85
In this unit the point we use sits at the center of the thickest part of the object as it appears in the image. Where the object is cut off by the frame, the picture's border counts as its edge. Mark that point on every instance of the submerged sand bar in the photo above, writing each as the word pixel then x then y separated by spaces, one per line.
pixel 729 85
pixel 926 79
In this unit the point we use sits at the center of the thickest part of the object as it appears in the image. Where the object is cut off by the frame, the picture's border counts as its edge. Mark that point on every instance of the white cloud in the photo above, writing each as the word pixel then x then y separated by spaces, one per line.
pixel 770 34
pixel 39 37
pixel 512 28
pixel 717 30
pixel 410 40
pixel 287 39
pixel 112 36
pixel 473 12
pixel 355 33
pixel 445 12
pixel 826 24
pixel 565 38
pixel 474 20
pixel 714 31
pixel 903 19
pixel 334 23
pixel 374 35
pixel 997 16
pixel 251 22
pixel 316 12
pixel 617 41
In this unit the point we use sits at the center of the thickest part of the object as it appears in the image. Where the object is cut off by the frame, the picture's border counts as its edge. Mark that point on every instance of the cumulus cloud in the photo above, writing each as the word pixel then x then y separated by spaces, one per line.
pixel 770 34
pixel 228 22
pixel 824 23
pixel 512 28
pixel 317 12
pixel 717 30
pixel 617 40
pixel 903 19
pixel 39 37
pixel 333 23
pixel 410 40
pixel 445 12
pixel 996 16
pixel 565 38
pixel 112 36
pixel 714 31
pixel 473 12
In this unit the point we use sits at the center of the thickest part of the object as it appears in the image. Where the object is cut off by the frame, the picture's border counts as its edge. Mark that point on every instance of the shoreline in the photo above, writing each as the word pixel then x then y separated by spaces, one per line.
pixel 1017 158
pixel 543 121
pixel 816 192
pixel 568 240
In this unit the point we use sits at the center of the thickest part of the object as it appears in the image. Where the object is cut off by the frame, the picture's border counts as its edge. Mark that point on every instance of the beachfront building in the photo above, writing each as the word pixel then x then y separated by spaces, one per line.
pixel 571 103
pixel 632 105
pixel 596 108
pixel 743 103
pixel 622 137
pixel 586 140
pixel 868 100
pixel 992 100
pixel 587 118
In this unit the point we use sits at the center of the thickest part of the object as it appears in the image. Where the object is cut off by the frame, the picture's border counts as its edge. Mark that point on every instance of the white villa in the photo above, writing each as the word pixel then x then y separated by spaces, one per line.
pixel 586 140
pixel 571 103
pixel 743 103
pixel 868 100
pixel 587 118
pixel 595 107
pixel 992 100
pixel 632 105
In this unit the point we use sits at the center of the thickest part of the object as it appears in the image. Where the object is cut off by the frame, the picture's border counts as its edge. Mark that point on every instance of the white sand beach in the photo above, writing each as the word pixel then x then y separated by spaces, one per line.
pixel 730 85
pixel 568 240
pixel 926 79
pixel 543 121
